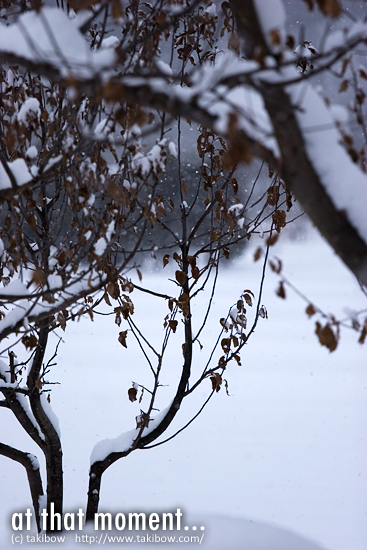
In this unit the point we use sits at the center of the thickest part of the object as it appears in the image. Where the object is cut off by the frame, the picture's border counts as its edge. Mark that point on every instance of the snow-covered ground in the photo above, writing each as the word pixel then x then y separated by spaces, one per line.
pixel 287 448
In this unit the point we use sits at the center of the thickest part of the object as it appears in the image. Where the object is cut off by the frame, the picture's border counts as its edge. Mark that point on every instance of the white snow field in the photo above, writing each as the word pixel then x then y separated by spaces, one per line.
pixel 280 464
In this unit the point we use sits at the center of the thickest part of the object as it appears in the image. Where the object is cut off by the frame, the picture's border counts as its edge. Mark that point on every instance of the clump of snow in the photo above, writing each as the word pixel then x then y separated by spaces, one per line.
pixel 52 162
pixel 15 288
pixel 54 39
pixel 34 170
pixel 91 199
pixel 124 441
pixel 337 38
pixel 153 160
pixel 32 152
pixel 110 42
pixel 116 445
pixel 164 68
pixel 34 461
pixel 236 209
pixel 110 230
pixel 103 128
pixel 24 403
pixel 29 110
pixel 50 414
pixel 172 149
pixel 249 107
pixel 100 246
pixel 54 281
pixel 211 10
pixel 19 169
pixel 307 49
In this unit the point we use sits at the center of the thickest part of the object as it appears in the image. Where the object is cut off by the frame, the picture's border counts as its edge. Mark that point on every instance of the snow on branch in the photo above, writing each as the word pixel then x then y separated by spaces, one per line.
pixel 19 404
pixel 32 309
pixel 32 467
pixel 13 175
pixel 342 179
pixel 49 38
pixel 124 442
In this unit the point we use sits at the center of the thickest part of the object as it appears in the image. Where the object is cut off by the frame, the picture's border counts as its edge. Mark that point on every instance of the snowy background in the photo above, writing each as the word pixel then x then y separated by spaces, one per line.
pixel 287 448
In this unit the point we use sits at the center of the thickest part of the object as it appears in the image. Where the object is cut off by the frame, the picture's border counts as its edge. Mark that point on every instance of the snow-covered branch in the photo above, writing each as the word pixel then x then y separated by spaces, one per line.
pixel 31 464
pixel 313 163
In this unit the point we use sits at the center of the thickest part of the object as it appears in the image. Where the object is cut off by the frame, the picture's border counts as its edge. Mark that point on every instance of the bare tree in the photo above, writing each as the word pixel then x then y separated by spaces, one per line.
pixel 85 201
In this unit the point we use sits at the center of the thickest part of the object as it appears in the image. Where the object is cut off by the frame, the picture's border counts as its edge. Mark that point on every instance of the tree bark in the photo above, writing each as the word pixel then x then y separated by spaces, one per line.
pixel 52 448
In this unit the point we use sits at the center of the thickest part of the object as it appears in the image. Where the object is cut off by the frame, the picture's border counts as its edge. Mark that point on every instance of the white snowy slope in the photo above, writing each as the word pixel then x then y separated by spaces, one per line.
pixel 219 533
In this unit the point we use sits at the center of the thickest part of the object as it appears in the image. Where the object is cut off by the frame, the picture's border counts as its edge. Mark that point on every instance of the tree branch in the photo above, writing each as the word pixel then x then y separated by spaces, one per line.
pixel 52 448
pixel 31 465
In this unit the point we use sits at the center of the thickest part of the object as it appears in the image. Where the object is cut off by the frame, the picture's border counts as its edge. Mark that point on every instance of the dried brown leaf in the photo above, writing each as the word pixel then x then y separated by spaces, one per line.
pixel 270 241
pixel 263 313
pixel 279 219
pixel 132 393
pixel 248 299
pixel 258 254
pixel 173 325
pixel 326 336
pixel 216 381
pixel 310 310
pixel 122 338
pixel 330 7
pixel 281 291
pixel 183 304
pixel 343 86
pixel 226 344
pixel 180 277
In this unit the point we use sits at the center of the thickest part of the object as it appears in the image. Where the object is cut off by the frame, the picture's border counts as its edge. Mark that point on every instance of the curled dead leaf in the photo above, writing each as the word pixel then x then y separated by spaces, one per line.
pixel 173 325
pixel 279 219
pixel 310 310
pixel 281 291
pixel 122 338
pixel 326 336
pixel 263 312
pixel 216 381
pixel 132 393
pixel 180 277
